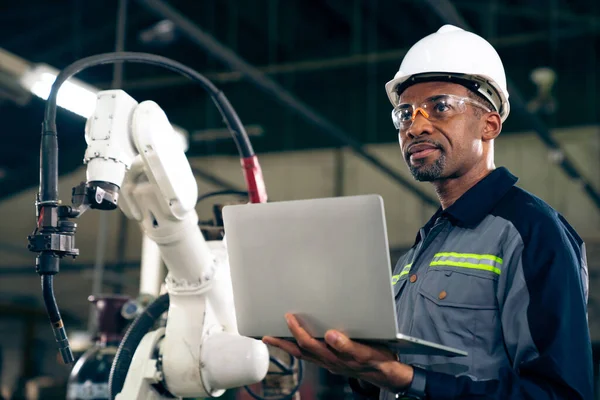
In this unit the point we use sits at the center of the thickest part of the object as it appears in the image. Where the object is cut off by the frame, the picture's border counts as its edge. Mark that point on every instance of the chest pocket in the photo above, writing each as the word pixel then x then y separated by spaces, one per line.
pixel 457 287
pixel 458 308
pixel 463 280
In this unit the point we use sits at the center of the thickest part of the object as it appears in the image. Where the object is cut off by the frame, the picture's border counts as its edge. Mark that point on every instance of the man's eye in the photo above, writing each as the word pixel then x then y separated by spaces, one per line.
pixel 441 106
pixel 404 114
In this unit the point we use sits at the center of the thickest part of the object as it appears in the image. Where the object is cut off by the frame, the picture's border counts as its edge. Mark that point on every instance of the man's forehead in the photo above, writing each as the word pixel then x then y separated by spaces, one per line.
pixel 422 91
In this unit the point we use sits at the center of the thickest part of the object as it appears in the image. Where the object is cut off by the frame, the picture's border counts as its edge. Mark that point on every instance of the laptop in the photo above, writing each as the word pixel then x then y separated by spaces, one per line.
pixel 325 260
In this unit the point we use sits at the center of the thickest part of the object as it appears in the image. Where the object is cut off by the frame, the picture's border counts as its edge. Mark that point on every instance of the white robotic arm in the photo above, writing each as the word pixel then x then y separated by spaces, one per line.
pixel 131 146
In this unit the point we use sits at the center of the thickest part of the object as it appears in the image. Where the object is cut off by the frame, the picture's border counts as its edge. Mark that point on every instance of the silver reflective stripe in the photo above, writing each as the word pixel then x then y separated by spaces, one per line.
pixel 485 262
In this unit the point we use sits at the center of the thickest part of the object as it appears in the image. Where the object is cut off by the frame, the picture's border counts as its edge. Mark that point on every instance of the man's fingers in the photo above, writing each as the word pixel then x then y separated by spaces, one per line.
pixel 304 339
pixel 348 349
pixel 341 343
pixel 293 350
pixel 309 345
pixel 285 345
pixel 338 345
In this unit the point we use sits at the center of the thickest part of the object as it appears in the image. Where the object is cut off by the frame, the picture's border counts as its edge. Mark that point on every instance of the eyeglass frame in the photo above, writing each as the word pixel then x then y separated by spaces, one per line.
pixel 424 112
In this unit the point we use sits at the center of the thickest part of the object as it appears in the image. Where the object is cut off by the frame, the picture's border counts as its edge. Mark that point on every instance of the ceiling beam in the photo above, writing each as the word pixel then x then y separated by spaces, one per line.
pixel 333 63
pixel 345 13
pixel 262 28
pixel 281 95
pixel 90 37
pixel 532 13
pixel 449 14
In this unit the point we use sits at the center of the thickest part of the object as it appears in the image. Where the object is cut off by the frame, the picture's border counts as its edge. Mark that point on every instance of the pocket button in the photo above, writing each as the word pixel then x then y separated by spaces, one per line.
pixel 442 295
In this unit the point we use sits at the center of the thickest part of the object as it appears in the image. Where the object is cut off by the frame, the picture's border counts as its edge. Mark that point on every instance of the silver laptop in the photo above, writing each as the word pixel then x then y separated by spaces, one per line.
pixel 325 260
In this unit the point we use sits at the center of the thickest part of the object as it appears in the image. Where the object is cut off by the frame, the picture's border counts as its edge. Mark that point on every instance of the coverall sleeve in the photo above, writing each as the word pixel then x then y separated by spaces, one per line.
pixel 542 297
pixel 362 390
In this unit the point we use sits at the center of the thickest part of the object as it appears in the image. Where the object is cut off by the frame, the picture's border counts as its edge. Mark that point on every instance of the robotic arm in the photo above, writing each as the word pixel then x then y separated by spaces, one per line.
pixel 201 350
pixel 131 153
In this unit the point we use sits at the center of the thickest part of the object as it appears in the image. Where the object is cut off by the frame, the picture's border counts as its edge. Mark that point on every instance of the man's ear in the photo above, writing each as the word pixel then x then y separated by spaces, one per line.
pixel 492 126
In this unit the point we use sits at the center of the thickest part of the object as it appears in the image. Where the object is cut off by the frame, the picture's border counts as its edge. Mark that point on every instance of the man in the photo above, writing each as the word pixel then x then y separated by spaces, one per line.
pixel 496 271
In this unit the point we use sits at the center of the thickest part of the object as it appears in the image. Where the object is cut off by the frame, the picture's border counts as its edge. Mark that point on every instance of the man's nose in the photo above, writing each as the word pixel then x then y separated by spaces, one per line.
pixel 420 124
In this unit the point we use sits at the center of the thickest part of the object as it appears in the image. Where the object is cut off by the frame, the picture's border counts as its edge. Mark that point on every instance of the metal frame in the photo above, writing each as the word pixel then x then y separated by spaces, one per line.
pixel 449 14
pixel 269 86
pixel 353 60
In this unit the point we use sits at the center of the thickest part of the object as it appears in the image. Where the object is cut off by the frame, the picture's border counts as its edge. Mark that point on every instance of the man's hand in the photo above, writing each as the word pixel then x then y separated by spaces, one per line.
pixel 340 355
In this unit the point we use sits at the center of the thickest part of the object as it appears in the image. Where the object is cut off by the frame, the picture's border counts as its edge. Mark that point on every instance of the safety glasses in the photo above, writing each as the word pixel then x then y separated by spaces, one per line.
pixel 436 108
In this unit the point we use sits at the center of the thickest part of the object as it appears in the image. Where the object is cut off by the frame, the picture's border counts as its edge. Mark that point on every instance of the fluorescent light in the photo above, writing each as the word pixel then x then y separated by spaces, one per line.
pixel 73 94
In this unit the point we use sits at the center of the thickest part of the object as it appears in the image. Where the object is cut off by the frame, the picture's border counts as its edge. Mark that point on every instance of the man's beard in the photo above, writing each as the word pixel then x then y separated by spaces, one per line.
pixel 428 172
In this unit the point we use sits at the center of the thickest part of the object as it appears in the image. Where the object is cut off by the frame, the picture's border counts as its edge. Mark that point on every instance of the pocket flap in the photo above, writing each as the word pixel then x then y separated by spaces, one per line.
pixel 456 288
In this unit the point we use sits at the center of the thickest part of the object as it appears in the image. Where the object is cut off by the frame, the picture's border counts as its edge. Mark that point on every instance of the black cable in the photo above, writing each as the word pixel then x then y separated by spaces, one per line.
pixel 134 335
pixel 291 394
pixel 48 258
pixel 283 368
pixel 49 174
pixel 230 116
pixel 60 334
pixel 49 300
pixel 222 193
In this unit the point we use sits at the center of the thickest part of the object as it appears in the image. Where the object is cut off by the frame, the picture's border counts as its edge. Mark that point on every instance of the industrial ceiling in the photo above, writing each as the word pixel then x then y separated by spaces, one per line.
pixel 332 56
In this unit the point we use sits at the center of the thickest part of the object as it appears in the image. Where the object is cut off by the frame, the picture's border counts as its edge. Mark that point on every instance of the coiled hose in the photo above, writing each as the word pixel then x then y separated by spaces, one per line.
pixel 134 335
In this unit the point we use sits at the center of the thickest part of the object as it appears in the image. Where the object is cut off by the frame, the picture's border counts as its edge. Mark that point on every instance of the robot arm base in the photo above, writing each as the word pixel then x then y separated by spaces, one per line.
pixel 230 360
pixel 227 361
pixel 199 358
pixel 143 372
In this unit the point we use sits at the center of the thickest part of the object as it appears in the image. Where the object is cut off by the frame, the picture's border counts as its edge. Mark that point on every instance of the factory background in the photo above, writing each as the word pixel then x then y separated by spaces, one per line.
pixel 323 130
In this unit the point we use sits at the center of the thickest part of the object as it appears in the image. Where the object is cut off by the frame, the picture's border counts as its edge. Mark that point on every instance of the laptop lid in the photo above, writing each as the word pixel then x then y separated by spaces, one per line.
pixel 326 260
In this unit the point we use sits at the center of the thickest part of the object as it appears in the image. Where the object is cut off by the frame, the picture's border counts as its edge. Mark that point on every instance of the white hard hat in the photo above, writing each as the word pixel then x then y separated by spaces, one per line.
pixel 454 55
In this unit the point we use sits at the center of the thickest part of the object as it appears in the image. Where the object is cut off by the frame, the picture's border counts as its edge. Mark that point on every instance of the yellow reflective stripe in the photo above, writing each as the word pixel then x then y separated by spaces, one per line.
pixel 404 271
pixel 469 255
pixel 483 267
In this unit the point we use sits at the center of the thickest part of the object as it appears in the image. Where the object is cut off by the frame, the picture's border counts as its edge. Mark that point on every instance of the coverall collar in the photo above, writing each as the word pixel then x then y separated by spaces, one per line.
pixel 476 203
